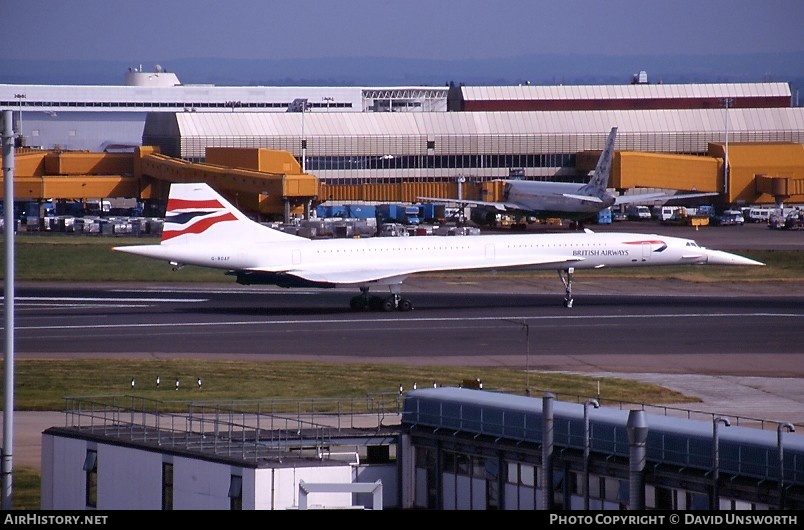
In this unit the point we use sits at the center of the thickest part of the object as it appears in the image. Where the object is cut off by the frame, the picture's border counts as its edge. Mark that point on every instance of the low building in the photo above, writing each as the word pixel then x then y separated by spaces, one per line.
pixel 439 448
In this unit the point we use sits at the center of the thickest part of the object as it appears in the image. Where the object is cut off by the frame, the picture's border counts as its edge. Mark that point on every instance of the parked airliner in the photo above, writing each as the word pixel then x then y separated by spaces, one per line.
pixel 203 229
pixel 567 200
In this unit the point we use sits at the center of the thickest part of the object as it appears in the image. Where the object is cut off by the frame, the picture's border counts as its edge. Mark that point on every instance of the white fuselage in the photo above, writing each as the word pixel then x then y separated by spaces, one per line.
pixel 358 261
pixel 549 197
pixel 202 228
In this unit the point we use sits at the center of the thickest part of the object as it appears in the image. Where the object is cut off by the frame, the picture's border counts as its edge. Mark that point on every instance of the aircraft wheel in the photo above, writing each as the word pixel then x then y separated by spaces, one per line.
pixel 358 303
pixel 388 304
pixel 376 303
pixel 405 305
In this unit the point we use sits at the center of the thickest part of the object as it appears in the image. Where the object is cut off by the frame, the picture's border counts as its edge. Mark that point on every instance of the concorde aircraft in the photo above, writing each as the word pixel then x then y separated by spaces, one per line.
pixel 202 228
pixel 566 200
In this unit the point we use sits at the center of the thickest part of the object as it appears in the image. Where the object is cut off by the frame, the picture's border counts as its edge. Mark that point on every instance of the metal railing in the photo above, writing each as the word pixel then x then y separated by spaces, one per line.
pixel 245 429
pixel 675 411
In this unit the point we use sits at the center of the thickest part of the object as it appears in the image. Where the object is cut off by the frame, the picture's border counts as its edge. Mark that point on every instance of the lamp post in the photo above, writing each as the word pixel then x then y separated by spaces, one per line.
pixel 524 325
pixel 300 105
pixel 19 98
pixel 781 427
pixel 461 181
pixel 303 139
pixel 727 102
pixel 527 357
pixel 714 502
pixel 596 404
pixel 6 447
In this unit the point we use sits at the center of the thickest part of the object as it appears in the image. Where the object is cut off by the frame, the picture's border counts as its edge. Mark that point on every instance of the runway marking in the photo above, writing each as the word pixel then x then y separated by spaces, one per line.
pixel 224 291
pixel 39 302
pixel 406 321
pixel 99 299
pixel 82 306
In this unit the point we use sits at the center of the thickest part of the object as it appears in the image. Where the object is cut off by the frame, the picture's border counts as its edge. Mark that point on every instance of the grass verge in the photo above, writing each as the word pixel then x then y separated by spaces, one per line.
pixel 44 384
pixel 64 257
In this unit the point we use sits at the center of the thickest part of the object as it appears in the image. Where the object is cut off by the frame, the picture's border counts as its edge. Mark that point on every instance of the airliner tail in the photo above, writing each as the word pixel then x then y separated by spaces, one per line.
pixel 196 213
pixel 600 179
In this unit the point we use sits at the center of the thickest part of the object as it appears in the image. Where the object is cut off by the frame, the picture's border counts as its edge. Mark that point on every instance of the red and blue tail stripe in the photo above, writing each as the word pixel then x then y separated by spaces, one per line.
pixel 193 216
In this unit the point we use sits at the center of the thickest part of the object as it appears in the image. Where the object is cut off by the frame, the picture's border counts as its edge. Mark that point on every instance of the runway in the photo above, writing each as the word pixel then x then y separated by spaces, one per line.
pixel 651 326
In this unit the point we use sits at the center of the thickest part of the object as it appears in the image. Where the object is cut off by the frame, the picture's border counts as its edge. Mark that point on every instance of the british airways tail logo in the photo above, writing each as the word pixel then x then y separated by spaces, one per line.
pixel 193 216
pixel 662 246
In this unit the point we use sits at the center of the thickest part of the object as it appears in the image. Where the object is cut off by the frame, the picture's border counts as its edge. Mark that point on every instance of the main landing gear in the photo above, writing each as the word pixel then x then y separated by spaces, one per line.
pixel 566 279
pixel 364 302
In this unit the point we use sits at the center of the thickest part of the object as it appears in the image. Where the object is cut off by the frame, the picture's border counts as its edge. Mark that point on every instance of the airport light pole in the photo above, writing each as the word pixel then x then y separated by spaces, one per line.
pixel 524 325
pixel 8 365
pixel 586 442
pixel 303 139
pixel 301 105
pixel 461 181
pixel 527 357
pixel 19 98
pixel 714 502
pixel 781 427
pixel 727 102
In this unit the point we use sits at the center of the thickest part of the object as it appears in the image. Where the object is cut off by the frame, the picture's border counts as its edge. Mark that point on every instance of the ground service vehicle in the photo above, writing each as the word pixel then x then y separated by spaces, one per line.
pixel 638 213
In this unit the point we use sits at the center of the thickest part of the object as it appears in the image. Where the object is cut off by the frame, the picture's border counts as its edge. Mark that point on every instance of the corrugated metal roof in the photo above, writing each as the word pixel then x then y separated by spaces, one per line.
pixel 644 91
pixel 494 123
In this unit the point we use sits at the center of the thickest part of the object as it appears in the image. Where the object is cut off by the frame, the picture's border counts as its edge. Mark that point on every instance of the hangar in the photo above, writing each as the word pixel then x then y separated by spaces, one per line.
pixel 397 157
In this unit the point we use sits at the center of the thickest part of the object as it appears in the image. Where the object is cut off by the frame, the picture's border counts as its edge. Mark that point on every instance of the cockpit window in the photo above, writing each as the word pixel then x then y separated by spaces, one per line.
pixel 692 244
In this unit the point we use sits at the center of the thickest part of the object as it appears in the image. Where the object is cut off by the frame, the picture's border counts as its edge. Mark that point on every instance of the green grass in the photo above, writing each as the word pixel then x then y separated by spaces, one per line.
pixel 66 257
pixel 43 384
pixel 26 489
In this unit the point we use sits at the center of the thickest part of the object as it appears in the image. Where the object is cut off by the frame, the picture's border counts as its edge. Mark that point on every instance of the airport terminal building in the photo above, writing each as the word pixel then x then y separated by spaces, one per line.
pixel 368 143
pixel 106 117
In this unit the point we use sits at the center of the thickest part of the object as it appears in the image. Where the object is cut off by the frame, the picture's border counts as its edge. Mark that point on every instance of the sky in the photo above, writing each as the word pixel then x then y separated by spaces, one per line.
pixel 133 31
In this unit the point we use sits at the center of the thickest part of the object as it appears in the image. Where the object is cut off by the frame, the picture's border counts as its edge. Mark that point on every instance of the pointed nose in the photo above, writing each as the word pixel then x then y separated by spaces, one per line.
pixel 718 257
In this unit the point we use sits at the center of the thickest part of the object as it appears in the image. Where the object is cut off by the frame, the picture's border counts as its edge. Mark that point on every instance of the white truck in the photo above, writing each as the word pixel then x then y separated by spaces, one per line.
pixel 638 213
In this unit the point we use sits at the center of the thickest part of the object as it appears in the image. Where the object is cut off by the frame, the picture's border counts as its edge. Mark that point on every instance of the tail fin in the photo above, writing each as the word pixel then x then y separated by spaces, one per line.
pixel 196 212
pixel 600 179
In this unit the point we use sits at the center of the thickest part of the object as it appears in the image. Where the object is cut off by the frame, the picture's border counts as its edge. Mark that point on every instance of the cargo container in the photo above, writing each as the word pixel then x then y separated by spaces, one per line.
pixel 432 212
pixel 399 213
pixel 604 216
pixel 362 211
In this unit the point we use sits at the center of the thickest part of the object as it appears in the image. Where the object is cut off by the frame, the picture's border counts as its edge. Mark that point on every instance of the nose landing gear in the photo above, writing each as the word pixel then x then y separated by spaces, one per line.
pixel 566 279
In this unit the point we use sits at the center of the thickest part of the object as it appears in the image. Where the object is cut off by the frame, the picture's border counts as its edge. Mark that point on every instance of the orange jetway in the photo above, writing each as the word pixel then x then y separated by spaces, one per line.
pixel 270 182
pixel 263 181
pixel 49 174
